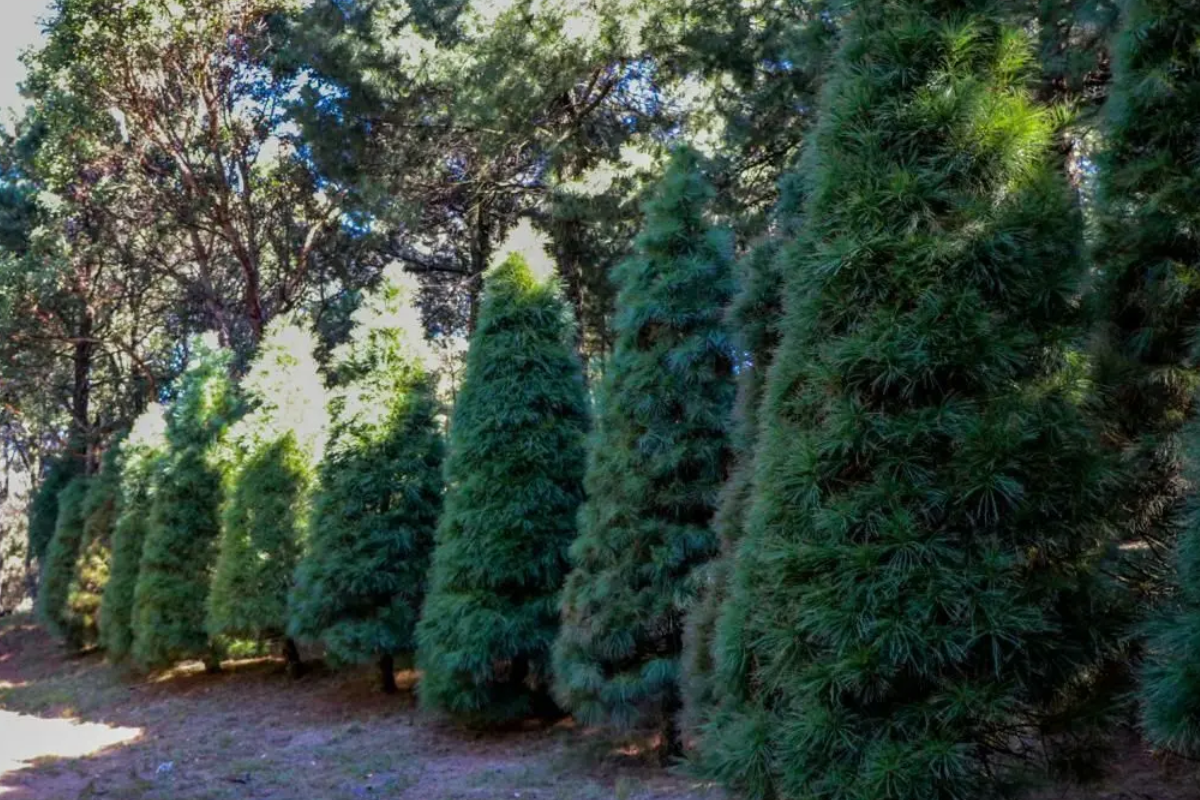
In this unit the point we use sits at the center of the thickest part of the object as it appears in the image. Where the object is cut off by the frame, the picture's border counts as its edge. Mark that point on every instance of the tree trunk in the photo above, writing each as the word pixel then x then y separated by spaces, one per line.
pixel 212 662
pixel 81 389
pixel 387 674
pixel 295 667
pixel 670 745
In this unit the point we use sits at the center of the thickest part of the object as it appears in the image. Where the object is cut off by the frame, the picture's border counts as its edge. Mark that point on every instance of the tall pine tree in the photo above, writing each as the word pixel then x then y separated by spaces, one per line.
pixel 94 561
pixel 274 448
pixel 657 461
pixel 916 579
pixel 1149 252
pixel 139 460
pixel 59 566
pixel 514 475
pixel 360 586
pixel 171 596
pixel 43 509
pixel 752 318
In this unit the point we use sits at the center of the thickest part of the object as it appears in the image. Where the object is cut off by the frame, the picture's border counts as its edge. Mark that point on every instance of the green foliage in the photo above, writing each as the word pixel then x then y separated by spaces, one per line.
pixel 360 586
pixel 1148 248
pixel 170 598
pixel 275 449
pixel 94 561
pixel 140 458
pixel 1170 691
pixel 514 483
pixel 43 509
pixel 60 562
pixel 657 460
pixel 916 585
pixel 751 318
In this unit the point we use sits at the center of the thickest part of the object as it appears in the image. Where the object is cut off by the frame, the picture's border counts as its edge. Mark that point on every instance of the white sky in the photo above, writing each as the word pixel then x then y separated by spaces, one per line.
pixel 18 30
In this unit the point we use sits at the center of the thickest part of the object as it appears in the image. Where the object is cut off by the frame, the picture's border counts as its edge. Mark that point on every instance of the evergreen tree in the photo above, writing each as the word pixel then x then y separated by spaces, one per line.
pixel 140 457
pixel 92 565
pixel 60 562
pixel 514 475
pixel 360 586
pixel 752 319
pixel 170 598
pixel 916 586
pixel 1148 249
pixel 43 509
pixel 657 460
pixel 275 449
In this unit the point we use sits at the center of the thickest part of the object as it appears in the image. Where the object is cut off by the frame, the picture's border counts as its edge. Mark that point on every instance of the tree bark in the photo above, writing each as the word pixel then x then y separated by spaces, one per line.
pixel 295 666
pixel 387 674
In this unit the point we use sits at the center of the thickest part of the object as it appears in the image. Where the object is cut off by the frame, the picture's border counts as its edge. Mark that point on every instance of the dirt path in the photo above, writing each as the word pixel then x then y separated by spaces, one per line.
pixel 75 728
pixel 252 733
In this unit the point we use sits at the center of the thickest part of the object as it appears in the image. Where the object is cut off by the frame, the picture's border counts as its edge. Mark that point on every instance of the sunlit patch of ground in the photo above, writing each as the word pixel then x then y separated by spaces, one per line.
pixel 25 738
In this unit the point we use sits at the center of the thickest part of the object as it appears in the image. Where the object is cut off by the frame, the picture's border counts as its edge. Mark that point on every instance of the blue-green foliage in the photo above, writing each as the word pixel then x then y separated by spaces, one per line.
pixel 514 475
pixel 59 563
pixel 170 599
pixel 43 510
pixel 657 460
pixel 140 457
pixel 274 450
pixel 360 586
pixel 751 319
pixel 916 585
pixel 1149 252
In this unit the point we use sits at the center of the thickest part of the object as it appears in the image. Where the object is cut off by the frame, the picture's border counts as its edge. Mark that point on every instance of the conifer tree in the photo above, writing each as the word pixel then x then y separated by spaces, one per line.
pixel 60 562
pixel 171 595
pixel 274 448
pixel 1148 249
pixel 916 581
pixel 656 463
pixel 514 474
pixel 43 509
pixel 92 565
pixel 140 457
pixel 360 586
pixel 751 319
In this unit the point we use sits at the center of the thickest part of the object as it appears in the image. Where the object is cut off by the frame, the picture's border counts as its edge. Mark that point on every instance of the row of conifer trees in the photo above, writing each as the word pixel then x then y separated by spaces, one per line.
pixel 879 512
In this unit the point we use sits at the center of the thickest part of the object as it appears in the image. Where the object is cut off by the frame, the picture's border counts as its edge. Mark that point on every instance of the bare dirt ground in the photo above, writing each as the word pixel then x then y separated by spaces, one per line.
pixel 74 728
pixel 253 733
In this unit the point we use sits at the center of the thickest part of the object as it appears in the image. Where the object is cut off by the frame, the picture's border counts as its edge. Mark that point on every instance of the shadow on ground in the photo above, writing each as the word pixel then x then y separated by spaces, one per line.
pixel 92 731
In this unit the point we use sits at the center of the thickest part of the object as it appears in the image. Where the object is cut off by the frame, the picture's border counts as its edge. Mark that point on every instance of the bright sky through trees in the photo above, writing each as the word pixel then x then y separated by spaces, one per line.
pixel 19 30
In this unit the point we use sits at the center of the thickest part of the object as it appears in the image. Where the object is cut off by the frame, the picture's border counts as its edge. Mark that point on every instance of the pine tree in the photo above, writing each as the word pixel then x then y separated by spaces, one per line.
pixel 43 509
pixel 657 460
pixel 275 449
pixel 916 582
pixel 1148 250
pixel 139 460
pixel 751 318
pixel 92 565
pixel 60 562
pixel 360 586
pixel 514 476
pixel 170 599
